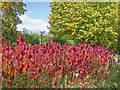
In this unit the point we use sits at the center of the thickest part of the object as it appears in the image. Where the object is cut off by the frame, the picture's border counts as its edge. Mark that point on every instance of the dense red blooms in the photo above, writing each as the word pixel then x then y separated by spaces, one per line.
pixel 56 60
pixel 21 68
pixel 40 70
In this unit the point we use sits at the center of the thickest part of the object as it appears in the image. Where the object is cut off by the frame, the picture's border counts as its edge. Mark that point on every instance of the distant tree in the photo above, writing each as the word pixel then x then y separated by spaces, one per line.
pixel 34 38
pixel 30 38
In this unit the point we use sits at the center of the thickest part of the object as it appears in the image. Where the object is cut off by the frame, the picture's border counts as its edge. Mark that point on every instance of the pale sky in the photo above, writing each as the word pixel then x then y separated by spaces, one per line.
pixel 36 17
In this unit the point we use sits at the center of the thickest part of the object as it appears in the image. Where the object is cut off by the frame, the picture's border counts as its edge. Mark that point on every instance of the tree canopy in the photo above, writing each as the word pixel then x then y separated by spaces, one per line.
pixel 85 22
pixel 10 18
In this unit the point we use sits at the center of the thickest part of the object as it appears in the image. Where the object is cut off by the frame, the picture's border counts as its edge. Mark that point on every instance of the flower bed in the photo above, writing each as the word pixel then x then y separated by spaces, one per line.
pixel 54 65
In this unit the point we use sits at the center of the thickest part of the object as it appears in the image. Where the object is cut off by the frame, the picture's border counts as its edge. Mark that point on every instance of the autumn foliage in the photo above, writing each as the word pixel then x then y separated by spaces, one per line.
pixel 54 65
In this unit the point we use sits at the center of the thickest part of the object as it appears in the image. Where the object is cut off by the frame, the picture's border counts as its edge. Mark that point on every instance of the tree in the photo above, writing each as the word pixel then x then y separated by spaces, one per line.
pixel 10 18
pixel 30 38
pixel 85 22
pixel 34 38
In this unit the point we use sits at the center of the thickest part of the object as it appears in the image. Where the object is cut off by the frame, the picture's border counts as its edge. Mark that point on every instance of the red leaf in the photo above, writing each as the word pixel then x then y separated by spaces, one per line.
pixel 46 80
pixel 21 70
pixel 40 70
pixel 30 56
pixel 103 72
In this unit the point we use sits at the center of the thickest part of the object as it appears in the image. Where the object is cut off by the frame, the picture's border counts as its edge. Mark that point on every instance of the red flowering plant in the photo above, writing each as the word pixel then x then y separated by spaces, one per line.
pixel 54 65
pixel 1 78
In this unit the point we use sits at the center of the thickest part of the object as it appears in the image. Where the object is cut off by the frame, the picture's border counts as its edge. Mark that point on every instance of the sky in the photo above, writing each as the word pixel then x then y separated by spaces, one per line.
pixel 36 17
